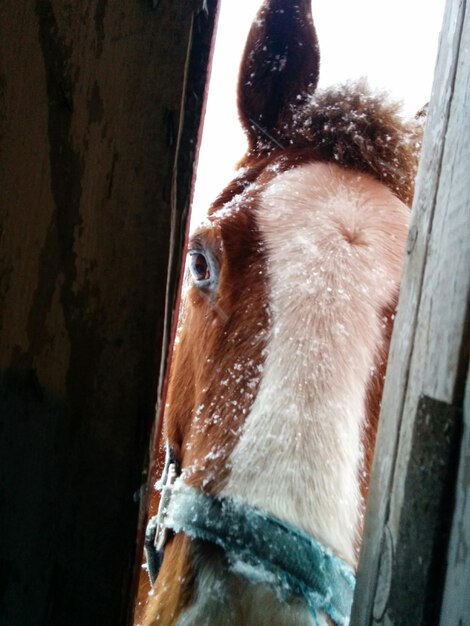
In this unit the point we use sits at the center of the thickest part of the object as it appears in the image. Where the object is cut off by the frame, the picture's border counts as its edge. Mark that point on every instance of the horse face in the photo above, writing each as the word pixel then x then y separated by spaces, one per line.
pixel 278 366
pixel 281 349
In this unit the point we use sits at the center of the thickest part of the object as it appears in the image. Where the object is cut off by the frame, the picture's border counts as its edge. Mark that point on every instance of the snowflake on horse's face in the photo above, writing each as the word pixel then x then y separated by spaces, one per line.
pixel 278 370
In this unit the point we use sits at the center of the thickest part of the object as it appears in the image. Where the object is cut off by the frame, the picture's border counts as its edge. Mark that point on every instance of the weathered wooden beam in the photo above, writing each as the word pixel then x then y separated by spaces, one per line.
pixel 199 53
pixel 402 566
pixel 91 135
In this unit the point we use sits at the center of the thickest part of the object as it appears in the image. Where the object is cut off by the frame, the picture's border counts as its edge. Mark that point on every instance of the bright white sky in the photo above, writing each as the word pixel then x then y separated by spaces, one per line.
pixel 392 42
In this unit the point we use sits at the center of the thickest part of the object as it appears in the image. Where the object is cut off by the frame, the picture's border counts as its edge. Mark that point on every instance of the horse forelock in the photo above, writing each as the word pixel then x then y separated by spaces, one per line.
pixel 352 126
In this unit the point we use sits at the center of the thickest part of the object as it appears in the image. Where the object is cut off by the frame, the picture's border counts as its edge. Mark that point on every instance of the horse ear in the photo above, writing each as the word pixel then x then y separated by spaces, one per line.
pixel 279 67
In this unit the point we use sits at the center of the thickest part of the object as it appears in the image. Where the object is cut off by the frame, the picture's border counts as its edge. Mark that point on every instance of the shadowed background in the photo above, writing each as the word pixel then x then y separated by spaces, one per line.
pixel 99 113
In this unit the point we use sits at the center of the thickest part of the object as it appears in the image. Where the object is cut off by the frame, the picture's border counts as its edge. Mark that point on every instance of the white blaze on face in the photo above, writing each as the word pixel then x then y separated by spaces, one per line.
pixel 334 244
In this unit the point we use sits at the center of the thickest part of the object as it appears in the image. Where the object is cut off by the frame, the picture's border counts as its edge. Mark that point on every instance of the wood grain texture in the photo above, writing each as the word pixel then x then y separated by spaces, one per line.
pixel 90 101
pixel 456 604
pixel 428 352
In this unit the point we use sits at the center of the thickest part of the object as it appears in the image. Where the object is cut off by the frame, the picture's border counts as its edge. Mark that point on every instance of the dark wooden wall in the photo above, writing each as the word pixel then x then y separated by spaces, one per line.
pixel 91 98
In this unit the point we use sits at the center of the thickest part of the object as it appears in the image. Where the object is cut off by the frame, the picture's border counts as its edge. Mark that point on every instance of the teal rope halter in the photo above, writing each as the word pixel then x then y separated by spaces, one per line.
pixel 262 547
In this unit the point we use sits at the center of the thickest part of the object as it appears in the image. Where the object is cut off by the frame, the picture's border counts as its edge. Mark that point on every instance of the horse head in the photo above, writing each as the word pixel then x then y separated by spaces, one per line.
pixel 279 362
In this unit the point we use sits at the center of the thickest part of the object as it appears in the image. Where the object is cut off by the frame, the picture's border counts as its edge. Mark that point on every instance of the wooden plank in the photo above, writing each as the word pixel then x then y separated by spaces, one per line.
pixel 90 100
pixel 419 528
pixel 426 351
pixel 199 54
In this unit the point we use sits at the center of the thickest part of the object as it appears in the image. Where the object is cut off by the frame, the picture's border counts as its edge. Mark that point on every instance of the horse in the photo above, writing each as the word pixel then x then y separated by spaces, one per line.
pixel 279 362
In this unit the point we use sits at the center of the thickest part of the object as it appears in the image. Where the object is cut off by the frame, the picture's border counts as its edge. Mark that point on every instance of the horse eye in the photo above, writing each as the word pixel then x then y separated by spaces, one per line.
pixel 204 269
pixel 199 267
